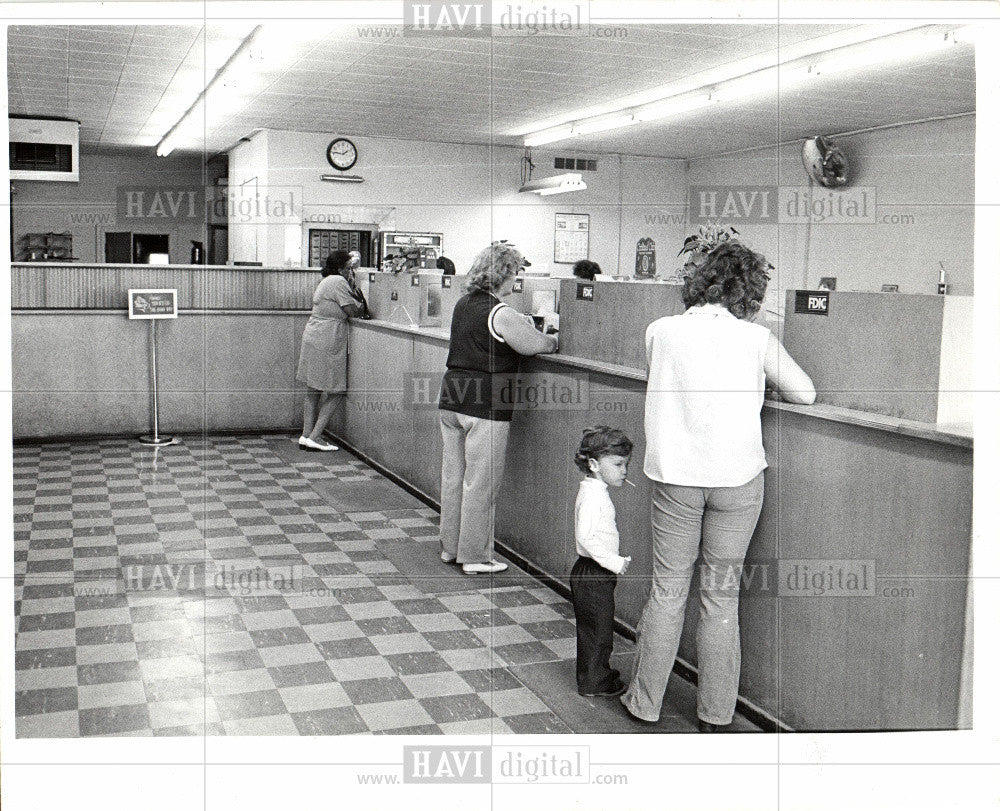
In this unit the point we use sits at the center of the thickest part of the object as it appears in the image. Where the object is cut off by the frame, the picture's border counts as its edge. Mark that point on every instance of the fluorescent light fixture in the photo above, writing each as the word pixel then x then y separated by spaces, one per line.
pixel 563 188
pixel 548 136
pixel 879 52
pixel 668 107
pixel 256 62
pixel 602 124
pixel 342 178
pixel 765 81
pixel 892 48
pixel 557 184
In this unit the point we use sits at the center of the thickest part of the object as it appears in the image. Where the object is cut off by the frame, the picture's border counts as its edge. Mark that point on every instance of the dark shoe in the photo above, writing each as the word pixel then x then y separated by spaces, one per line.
pixel 706 726
pixel 615 690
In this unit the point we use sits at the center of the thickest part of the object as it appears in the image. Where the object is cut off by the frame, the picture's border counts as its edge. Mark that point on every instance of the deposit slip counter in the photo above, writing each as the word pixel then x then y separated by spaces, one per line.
pixel 854 597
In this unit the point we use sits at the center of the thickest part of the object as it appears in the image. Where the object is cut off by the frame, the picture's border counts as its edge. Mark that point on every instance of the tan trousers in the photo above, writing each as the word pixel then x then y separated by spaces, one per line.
pixel 472 462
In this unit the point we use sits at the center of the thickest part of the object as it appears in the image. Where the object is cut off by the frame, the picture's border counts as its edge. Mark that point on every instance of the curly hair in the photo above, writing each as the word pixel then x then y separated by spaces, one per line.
pixel 731 275
pixel 493 266
pixel 598 441
pixel 336 261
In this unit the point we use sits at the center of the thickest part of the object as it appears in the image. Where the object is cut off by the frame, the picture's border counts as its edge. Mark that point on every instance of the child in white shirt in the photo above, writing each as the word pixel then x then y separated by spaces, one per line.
pixel 603 456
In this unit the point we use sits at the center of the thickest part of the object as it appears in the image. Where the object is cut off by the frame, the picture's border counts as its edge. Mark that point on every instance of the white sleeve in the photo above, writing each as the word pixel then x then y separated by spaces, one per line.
pixel 597 535
pixel 489 322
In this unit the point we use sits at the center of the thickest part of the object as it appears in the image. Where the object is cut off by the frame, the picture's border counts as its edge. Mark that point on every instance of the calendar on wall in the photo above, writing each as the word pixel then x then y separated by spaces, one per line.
pixel 572 238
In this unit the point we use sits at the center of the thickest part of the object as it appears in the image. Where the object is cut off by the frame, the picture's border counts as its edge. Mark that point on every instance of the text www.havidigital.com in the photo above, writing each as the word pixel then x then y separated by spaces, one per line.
pixel 436 765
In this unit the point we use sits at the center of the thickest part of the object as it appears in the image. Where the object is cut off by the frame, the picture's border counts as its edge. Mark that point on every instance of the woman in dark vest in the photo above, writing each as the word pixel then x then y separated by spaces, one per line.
pixel 487 338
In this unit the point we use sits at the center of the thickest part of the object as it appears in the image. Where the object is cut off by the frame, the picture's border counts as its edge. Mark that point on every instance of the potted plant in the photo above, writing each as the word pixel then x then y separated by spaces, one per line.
pixel 697 246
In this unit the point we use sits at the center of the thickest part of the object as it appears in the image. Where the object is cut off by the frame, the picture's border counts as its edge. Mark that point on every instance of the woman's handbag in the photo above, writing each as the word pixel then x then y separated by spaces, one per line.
pixel 365 313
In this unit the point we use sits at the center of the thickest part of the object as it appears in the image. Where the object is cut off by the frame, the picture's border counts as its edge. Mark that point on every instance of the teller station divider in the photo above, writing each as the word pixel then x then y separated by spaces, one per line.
pixel 427 299
pixel 855 610
pixel 606 320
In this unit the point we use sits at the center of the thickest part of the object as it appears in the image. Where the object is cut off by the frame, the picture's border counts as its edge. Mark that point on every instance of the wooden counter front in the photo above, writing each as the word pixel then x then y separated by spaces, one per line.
pixel 842 487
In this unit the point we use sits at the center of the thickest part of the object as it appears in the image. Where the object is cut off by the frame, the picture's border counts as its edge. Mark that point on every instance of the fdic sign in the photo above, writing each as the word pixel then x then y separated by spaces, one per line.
pixel 812 302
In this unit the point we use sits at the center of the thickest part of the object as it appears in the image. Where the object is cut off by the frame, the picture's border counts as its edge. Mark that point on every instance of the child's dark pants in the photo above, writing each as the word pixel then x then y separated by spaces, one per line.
pixel 593 589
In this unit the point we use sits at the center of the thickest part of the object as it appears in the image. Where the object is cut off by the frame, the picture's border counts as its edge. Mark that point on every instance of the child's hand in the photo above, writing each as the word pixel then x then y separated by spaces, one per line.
pixel 628 560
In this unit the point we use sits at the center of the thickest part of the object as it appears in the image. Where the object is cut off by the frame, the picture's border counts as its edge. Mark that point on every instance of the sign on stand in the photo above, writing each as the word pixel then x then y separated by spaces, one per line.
pixel 151 306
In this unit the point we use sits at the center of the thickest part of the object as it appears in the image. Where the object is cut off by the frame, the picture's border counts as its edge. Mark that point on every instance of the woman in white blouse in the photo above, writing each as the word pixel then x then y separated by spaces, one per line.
pixel 705 456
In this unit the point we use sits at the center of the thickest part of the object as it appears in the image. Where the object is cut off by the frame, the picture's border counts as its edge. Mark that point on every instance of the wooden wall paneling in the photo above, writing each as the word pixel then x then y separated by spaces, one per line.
pixel 612 327
pixel 390 433
pixel 873 352
pixel 27 287
pixel 531 513
pixel 428 362
pixel 915 533
pixel 78 374
pixel 360 355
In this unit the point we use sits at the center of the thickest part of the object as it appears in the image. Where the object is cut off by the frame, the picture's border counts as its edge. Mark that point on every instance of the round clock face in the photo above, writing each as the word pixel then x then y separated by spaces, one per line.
pixel 342 154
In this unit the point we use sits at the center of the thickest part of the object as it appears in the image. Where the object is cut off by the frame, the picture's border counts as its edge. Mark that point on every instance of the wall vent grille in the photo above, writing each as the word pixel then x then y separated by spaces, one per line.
pixel 576 164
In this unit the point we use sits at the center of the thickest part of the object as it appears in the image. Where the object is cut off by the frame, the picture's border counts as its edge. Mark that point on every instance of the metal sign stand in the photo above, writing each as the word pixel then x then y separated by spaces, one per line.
pixel 154 438
pixel 152 305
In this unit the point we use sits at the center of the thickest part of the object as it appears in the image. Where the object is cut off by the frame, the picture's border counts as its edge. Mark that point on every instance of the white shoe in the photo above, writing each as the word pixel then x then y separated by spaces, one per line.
pixel 446 558
pixel 484 568
pixel 313 445
pixel 302 441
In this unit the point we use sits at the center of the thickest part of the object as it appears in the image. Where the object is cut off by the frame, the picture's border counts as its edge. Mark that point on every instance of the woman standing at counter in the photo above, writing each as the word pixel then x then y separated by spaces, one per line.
pixel 487 337
pixel 323 359
pixel 705 456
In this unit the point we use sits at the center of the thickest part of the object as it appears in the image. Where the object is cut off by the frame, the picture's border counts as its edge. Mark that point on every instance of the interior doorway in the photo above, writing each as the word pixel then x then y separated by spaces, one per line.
pixel 125 248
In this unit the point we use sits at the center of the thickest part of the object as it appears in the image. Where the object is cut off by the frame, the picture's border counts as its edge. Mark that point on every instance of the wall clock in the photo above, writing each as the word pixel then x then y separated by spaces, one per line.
pixel 342 154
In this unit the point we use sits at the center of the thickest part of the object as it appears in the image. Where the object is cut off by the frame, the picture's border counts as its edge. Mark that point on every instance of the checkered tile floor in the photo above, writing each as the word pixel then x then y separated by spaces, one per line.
pixel 206 588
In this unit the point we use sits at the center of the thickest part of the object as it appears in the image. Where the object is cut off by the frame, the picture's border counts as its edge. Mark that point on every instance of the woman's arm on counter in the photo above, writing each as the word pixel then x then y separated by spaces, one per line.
pixel 521 335
pixel 786 375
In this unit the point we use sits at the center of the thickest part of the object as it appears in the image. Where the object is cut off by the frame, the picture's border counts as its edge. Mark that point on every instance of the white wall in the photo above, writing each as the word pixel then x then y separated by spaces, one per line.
pixel 248 173
pixel 924 171
pixel 449 188
pixel 88 209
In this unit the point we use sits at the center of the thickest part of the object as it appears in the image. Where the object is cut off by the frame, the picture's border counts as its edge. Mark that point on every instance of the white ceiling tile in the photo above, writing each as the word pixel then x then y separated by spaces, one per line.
pixel 128 85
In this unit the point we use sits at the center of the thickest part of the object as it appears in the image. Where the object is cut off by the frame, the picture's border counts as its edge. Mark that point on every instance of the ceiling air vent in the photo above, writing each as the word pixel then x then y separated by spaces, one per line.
pixel 576 164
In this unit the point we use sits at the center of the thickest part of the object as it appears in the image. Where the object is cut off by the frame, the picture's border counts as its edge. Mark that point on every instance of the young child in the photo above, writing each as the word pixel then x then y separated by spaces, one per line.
pixel 603 456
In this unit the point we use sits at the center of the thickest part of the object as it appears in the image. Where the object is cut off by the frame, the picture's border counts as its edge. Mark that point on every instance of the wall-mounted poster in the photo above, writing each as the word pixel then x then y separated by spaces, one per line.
pixel 572 238
pixel 645 258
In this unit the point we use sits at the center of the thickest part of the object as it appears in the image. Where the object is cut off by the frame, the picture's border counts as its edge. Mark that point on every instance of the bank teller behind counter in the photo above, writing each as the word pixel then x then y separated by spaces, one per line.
pixel 487 339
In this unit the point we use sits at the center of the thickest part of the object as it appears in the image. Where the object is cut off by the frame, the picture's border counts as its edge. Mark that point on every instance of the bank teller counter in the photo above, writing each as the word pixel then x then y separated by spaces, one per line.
pixel 883 500
pixel 855 588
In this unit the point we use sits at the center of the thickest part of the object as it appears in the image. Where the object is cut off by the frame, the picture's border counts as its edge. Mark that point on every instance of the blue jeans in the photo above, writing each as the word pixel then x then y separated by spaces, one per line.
pixel 718 522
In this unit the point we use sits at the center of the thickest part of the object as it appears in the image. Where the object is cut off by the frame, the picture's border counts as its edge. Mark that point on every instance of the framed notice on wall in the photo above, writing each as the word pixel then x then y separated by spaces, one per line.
pixel 572 238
